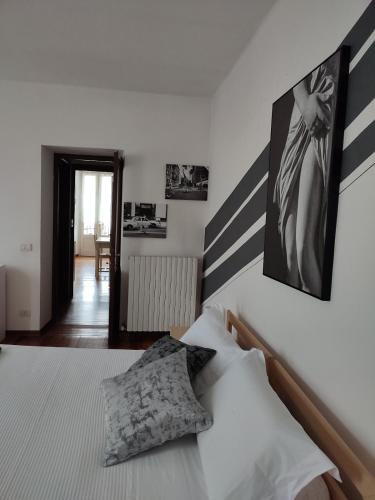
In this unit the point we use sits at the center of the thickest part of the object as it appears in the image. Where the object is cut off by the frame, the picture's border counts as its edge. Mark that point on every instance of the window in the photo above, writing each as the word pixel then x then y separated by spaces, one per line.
pixel 96 203
pixel 105 196
pixel 89 203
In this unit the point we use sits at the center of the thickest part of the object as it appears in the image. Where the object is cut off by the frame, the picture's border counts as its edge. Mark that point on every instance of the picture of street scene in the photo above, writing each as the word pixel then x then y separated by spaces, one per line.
pixel 145 220
pixel 186 182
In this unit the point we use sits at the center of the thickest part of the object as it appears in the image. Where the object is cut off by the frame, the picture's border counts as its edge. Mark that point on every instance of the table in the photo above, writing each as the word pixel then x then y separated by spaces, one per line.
pixel 100 243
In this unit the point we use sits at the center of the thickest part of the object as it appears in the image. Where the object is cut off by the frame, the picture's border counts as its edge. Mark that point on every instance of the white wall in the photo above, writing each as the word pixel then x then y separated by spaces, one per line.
pixel 331 345
pixel 152 130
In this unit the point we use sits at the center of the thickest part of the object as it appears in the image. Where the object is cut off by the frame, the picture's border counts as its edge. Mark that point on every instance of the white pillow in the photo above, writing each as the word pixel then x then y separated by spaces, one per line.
pixel 255 449
pixel 209 331
pixel 217 309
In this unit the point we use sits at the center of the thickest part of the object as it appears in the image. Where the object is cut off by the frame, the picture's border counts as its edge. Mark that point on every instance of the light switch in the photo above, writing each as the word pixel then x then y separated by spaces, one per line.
pixel 26 247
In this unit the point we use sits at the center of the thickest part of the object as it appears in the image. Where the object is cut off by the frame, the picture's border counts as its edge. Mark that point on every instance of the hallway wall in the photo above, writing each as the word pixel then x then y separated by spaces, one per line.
pixel 150 129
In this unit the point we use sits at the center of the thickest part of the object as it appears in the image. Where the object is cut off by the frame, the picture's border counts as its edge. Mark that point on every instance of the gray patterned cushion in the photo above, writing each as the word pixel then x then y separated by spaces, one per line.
pixel 197 356
pixel 148 406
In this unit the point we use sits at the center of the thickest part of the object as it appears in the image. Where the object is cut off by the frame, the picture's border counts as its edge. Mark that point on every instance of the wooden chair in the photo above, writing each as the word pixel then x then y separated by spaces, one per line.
pixel 100 254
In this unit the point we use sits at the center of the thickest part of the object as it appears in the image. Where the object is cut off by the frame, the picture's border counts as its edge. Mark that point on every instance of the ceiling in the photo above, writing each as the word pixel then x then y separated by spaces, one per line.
pixel 181 47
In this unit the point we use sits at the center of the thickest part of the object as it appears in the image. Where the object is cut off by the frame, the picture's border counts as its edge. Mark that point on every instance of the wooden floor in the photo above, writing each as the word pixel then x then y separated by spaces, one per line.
pixel 85 322
pixel 80 337
pixel 90 304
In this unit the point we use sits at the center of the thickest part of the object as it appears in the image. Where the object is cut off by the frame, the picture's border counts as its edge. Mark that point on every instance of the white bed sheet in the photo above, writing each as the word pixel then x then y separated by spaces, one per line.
pixel 52 433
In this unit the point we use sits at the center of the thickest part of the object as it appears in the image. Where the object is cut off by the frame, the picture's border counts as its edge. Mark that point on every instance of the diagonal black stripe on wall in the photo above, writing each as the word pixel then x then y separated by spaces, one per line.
pixel 360 79
pixel 361 91
pixel 361 86
pixel 237 261
pixel 354 155
pixel 361 30
pixel 248 182
pixel 250 213
pixel 358 151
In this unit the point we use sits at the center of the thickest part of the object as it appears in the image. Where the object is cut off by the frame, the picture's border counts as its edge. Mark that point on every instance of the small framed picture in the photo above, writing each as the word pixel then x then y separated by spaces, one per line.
pixel 186 182
pixel 145 220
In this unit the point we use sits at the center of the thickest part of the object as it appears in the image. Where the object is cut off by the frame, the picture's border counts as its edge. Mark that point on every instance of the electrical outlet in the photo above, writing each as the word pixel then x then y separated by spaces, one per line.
pixel 24 313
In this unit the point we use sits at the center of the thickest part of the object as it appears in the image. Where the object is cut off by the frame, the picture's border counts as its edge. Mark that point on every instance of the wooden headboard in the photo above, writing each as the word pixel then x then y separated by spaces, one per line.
pixel 358 483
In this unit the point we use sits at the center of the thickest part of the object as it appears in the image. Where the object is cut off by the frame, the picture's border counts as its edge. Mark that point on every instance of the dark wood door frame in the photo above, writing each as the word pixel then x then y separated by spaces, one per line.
pixel 115 268
pixel 65 167
pixel 63 237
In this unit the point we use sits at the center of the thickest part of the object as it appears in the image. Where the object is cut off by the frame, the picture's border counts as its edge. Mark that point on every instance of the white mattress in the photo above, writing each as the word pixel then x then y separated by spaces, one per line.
pixel 52 433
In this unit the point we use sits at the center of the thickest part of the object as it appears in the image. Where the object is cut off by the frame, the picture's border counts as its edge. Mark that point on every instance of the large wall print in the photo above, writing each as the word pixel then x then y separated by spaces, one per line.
pixel 304 169
pixel 234 237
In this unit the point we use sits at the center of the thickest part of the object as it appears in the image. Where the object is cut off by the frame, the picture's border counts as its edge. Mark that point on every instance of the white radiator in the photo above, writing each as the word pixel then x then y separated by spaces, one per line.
pixel 162 293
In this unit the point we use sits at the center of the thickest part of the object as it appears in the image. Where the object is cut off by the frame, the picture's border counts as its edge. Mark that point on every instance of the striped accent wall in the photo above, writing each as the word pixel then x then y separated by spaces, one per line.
pixel 234 237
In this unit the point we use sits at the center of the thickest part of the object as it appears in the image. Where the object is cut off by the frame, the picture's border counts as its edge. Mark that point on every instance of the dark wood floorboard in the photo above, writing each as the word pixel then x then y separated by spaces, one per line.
pixel 84 337
pixel 90 304
pixel 85 322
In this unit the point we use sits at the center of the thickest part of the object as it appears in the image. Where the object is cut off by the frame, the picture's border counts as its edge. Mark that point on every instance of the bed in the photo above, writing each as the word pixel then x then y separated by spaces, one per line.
pixel 52 434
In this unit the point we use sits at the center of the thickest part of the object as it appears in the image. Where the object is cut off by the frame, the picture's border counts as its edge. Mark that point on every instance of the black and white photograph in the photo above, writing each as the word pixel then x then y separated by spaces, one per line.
pixel 186 182
pixel 145 220
pixel 305 157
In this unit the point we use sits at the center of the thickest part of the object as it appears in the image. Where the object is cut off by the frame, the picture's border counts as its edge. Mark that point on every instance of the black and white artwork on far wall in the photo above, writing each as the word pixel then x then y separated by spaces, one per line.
pixel 145 220
pixel 303 180
pixel 186 182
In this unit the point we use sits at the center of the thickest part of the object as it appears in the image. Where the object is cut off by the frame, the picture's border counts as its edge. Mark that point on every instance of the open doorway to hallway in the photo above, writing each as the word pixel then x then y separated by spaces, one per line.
pixel 86 244
pixel 92 228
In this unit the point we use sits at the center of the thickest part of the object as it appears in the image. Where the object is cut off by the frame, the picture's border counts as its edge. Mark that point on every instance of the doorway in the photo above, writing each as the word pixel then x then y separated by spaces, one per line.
pixel 92 229
pixel 86 250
